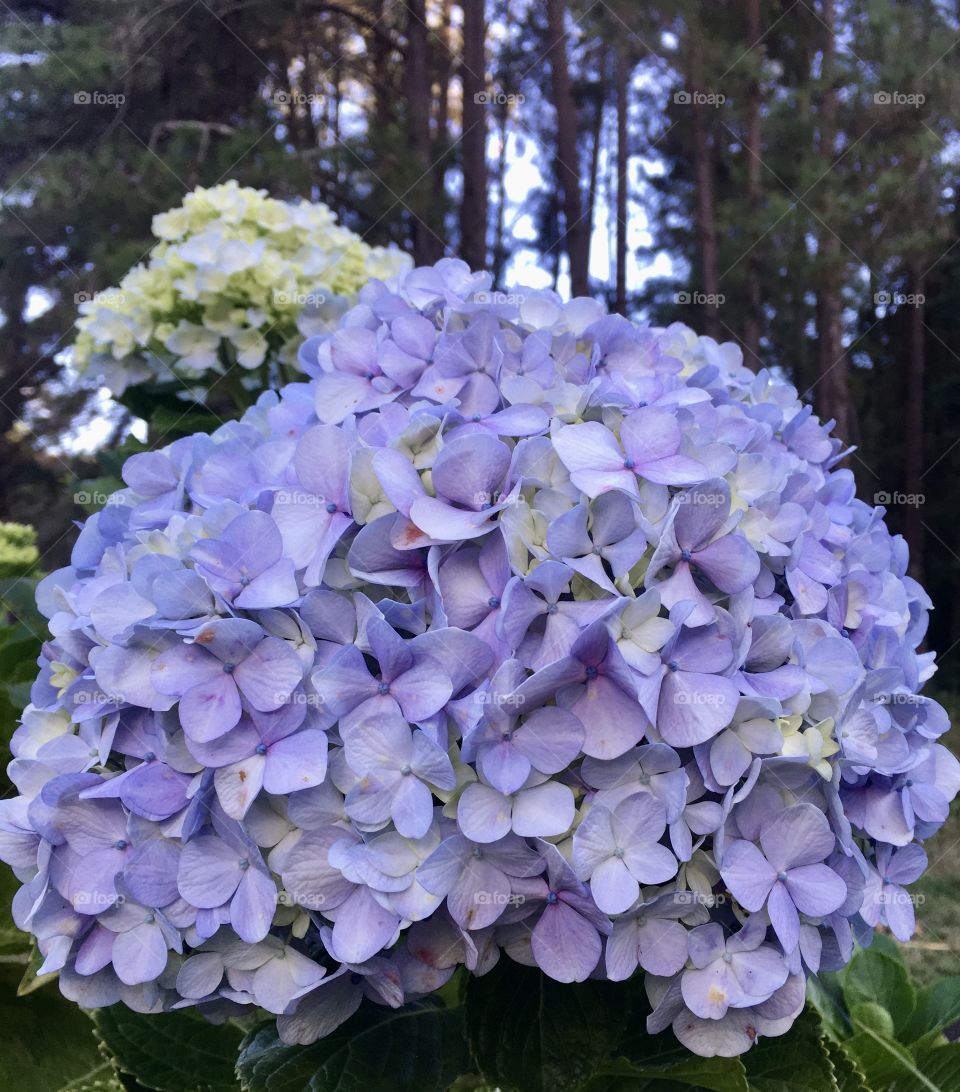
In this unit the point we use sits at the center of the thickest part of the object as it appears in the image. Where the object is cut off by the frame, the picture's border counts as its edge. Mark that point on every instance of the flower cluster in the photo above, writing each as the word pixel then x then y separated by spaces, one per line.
pixel 519 631
pixel 232 272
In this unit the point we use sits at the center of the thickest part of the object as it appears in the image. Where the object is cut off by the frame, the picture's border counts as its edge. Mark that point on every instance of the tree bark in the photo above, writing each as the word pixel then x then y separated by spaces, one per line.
pixel 473 206
pixel 576 232
pixel 425 240
pixel 754 317
pixel 623 163
pixel 706 218
pixel 441 134
pixel 833 385
pixel 596 135
pixel 500 254
pixel 913 528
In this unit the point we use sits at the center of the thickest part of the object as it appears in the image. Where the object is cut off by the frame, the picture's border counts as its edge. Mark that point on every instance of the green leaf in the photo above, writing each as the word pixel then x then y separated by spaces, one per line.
pixel 798 1061
pixel 48 1043
pixel 876 977
pixel 941 1066
pixel 12 940
pixel 847 1074
pixel 874 1016
pixel 938 1005
pixel 716 1074
pixel 417 1048
pixel 31 979
pixel 172 1052
pixel 885 1062
pixel 825 994
pixel 528 1032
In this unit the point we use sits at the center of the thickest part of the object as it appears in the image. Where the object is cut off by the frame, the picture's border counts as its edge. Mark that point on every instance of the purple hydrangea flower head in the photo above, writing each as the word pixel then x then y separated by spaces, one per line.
pixel 517 630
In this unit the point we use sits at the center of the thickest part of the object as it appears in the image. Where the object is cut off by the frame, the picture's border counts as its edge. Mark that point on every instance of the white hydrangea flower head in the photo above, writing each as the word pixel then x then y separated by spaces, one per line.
pixel 232 270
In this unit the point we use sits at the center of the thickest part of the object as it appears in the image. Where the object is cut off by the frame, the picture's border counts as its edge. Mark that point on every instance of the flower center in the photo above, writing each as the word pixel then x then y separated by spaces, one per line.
pixel 229 668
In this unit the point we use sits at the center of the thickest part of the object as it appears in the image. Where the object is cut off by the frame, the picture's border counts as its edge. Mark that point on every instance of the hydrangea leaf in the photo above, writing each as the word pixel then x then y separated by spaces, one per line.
pixel 420 1046
pixel 172 1052
pixel 875 977
pixel 798 1062
pixel 48 1043
pixel 530 1033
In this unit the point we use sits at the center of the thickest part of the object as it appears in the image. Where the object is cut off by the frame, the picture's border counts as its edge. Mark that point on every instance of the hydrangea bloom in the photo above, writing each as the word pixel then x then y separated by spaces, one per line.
pixel 232 272
pixel 518 631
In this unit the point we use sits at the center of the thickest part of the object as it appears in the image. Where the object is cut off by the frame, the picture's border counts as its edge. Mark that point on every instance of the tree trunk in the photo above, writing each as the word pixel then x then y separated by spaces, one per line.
pixel 706 219
pixel 441 135
pixel 754 302
pixel 623 163
pixel 500 254
pixel 425 240
pixel 596 135
pixel 576 231
pixel 833 386
pixel 473 206
pixel 913 528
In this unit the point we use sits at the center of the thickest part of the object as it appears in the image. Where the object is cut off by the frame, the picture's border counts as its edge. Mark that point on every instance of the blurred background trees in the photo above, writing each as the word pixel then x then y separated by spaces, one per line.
pixel 774 173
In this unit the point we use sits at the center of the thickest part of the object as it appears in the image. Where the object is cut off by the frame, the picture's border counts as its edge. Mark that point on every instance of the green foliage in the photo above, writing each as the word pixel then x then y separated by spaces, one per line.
pixel 18 549
pixel 419 1047
pixel 48 1043
pixel 172 1052
pixel 884 1034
